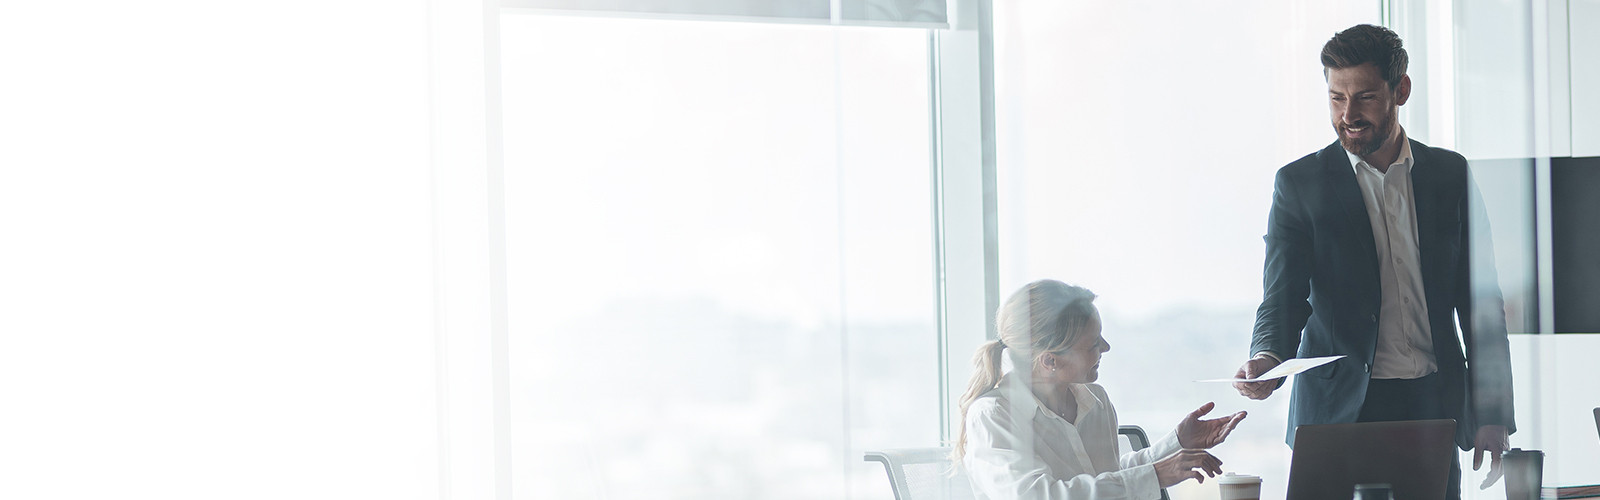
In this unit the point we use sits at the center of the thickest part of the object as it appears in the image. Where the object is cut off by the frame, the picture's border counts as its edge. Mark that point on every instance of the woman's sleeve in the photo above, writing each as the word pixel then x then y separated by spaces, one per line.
pixel 1158 450
pixel 1001 464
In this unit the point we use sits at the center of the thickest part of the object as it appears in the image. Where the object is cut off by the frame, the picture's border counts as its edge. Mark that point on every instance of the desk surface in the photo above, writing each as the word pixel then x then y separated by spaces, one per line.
pixel 1562 492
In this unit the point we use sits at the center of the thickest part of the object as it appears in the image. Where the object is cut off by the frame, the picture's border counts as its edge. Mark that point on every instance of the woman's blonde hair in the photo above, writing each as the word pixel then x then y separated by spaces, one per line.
pixel 1046 316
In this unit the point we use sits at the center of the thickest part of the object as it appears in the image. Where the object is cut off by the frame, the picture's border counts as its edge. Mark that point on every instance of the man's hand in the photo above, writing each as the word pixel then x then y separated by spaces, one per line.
pixel 1495 440
pixel 1203 434
pixel 1181 465
pixel 1251 369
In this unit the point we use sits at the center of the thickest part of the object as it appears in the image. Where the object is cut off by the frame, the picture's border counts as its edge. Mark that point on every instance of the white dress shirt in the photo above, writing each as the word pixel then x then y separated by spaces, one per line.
pixel 1405 344
pixel 1018 449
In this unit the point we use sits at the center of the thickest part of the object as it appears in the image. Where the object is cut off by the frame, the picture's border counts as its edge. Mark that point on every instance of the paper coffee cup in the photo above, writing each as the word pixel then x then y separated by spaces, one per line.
pixel 1524 473
pixel 1239 486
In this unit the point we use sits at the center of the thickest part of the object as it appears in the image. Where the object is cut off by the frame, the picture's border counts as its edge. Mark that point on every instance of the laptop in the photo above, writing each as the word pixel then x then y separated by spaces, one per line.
pixel 1413 457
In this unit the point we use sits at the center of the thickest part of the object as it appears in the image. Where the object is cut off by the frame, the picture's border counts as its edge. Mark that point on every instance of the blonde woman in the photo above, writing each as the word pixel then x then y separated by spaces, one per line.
pixel 1045 431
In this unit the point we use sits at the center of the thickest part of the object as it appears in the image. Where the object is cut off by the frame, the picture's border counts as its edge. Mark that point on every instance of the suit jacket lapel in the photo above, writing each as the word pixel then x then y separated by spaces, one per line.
pixel 1347 193
pixel 1425 195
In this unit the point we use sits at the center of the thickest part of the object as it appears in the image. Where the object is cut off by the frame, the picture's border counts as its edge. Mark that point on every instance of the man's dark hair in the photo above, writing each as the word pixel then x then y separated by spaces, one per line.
pixel 1363 44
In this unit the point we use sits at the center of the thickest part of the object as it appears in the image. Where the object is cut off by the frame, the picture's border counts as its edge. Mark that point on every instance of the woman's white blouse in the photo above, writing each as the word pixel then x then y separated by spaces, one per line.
pixel 1017 449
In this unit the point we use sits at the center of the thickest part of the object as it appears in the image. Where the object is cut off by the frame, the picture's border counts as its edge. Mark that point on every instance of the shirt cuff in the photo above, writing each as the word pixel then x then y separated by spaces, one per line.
pixel 1167 445
pixel 1143 483
pixel 1269 354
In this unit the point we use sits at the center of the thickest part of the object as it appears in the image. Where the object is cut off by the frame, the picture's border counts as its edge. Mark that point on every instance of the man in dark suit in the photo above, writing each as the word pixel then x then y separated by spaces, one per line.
pixel 1369 256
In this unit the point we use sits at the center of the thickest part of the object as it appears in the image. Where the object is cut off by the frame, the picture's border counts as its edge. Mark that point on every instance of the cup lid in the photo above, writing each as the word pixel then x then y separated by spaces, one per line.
pixel 1235 478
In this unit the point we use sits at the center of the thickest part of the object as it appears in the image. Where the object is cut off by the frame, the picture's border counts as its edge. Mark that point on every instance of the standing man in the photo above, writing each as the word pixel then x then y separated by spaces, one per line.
pixel 1368 256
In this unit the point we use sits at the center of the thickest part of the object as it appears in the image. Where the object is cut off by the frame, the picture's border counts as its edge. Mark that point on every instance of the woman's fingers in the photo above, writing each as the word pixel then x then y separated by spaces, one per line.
pixel 1188 463
pixel 1200 459
pixel 1212 465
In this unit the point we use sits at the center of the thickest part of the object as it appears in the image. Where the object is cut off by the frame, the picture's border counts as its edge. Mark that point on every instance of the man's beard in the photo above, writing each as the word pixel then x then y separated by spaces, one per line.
pixel 1376 135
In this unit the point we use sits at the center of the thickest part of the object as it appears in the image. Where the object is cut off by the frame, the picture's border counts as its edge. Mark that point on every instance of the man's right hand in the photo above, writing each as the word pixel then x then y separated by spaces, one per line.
pixel 1251 369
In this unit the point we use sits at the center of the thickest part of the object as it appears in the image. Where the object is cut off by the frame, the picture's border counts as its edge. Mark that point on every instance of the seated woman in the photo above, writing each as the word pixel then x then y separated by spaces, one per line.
pixel 1045 431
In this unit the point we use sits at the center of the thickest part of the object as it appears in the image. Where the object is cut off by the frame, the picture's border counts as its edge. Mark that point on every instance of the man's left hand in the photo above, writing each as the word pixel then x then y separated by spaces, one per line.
pixel 1495 440
pixel 1194 433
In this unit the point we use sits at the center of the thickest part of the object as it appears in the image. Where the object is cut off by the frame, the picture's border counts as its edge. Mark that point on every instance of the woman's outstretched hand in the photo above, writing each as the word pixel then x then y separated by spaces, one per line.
pixel 1182 465
pixel 1203 434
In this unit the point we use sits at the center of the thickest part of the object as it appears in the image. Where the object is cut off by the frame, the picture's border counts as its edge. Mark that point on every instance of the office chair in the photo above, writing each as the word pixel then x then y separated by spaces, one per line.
pixel 1137 440
pixel 924 473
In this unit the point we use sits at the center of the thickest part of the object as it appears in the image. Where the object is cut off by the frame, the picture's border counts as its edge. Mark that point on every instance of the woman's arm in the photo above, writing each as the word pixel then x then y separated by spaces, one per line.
pixel 1008 475
pixel 1001 463
pixel 1167 445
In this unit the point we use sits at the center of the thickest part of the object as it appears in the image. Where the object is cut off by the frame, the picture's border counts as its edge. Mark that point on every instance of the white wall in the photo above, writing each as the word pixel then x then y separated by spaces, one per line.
pixel 215 268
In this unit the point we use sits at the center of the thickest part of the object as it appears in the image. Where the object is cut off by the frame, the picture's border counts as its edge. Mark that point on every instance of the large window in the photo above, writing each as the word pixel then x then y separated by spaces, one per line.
pixel 719 256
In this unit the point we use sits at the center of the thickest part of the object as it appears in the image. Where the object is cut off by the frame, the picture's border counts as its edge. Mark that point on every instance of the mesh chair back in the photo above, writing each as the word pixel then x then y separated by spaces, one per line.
pixel 934 482
pixel 922 474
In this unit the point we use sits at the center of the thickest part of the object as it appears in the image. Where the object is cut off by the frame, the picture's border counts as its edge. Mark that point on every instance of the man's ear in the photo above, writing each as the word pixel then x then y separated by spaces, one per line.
pixel 1403 92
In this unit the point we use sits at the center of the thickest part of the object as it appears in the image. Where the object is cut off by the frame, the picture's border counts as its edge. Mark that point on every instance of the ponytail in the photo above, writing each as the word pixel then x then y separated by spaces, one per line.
pixel 986 377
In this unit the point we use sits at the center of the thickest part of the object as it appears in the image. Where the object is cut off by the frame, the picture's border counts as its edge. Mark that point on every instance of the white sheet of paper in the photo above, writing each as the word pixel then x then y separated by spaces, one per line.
pixel 1291 367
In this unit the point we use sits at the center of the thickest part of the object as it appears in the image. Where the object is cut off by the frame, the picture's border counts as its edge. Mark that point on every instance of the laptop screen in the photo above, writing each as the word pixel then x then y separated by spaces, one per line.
pixel 1413 457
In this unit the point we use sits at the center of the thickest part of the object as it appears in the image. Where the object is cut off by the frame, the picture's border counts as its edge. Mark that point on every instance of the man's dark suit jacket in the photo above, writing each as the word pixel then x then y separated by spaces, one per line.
pixel 1321 278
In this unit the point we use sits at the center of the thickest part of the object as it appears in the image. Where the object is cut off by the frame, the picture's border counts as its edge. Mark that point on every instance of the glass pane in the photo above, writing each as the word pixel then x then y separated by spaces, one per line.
pixel 1513 107
pixel 1137 147
pixel 719 257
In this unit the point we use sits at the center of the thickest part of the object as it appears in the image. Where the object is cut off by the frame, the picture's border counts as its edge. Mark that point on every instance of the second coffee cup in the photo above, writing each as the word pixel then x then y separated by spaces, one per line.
pixel 1239 486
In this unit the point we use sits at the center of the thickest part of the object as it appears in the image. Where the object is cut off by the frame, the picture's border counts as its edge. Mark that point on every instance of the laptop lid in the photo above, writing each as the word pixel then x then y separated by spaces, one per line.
pixel 1413 457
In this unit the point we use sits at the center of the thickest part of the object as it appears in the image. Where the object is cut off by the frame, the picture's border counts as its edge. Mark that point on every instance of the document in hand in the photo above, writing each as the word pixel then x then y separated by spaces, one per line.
pixel 1292 366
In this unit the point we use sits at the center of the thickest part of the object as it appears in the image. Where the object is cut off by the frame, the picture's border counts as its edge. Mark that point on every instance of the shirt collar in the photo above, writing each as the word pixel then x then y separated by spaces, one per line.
pixel 1022 398
pixel 1405 159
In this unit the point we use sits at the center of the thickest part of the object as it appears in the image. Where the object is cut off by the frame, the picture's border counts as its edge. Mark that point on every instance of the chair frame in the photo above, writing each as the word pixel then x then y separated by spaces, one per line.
pixel 1139 440
pixel 893 459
